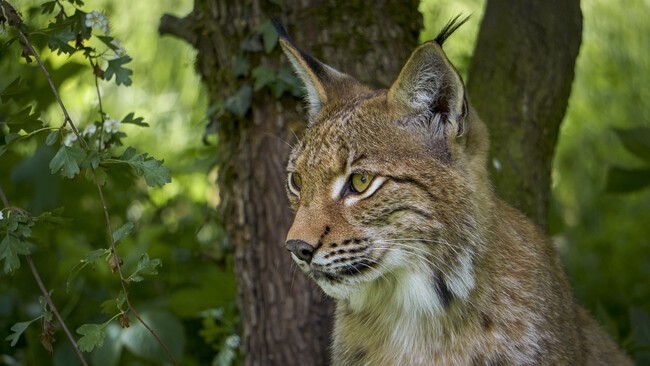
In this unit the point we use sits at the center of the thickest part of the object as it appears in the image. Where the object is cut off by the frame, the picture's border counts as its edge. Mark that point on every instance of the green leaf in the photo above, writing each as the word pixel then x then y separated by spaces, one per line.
pixel 636 141
pixel 92 159
pixel 23 120
pixel 92 336
pixel 110 306
pixel 100 173
pixel 107 41
pixel 129 153
pixel 18 330
pixel 269 35
pixel 11 137
pixel 15 90
pixel 135 121
pixel 110 353
pixel 122 75
pixel 240 102
pixel 10 247
pixel 263 76
pixel 622 180
pixel 123 231
pixel 51 138
pixel 52 218
pixel 155 174
pixel 67 161
pixel 48 7
pixel 242 67
pixel 145 266
pixel 58 38
pixel 90 259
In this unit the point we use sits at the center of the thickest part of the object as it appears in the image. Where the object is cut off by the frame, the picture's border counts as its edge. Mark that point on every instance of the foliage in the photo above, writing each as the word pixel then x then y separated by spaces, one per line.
pixel 159 227
pixel 602 233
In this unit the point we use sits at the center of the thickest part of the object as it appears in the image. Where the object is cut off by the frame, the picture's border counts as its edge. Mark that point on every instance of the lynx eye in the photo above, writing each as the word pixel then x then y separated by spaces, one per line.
pixel 360 181
pixel 295 183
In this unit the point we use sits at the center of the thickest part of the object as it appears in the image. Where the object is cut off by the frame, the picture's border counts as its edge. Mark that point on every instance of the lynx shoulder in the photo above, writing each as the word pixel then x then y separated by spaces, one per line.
pixel 395 218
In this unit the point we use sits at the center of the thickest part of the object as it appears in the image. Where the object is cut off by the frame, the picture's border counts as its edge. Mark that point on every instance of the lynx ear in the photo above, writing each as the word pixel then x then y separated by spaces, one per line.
pixel 430 88
pixel 322 82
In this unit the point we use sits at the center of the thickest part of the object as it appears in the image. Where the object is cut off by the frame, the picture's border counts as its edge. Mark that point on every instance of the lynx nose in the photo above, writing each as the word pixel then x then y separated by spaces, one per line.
pixel 301 249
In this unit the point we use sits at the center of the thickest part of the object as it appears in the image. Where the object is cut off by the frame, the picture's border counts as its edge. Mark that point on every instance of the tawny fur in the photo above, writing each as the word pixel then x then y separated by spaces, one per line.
pixel 427 265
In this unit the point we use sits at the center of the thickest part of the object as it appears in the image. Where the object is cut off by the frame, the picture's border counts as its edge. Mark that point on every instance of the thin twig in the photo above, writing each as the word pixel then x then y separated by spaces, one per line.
pixel 46 294
pixel 68 120
pixel 54 310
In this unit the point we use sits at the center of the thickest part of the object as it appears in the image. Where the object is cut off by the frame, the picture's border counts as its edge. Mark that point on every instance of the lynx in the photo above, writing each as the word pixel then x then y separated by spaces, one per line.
pixel 395 218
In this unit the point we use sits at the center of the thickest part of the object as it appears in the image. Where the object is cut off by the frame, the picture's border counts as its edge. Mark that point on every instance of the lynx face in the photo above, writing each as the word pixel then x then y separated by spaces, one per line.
pixel 371 190
pixel 380 183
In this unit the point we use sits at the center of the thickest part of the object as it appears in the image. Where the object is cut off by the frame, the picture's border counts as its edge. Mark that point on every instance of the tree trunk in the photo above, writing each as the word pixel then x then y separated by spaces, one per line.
pixel 286 319
pixel 519 82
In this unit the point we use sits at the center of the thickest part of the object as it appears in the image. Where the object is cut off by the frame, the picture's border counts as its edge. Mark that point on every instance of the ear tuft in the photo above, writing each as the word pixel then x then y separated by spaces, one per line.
pixel 429 88
pixel 450 28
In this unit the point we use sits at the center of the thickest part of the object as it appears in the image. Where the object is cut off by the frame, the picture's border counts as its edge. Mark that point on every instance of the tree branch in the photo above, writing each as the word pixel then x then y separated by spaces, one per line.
pixel 179 27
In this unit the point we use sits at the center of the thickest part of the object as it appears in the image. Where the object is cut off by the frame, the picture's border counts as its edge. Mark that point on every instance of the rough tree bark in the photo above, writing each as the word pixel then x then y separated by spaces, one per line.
pixel 286 320
pixel 519 82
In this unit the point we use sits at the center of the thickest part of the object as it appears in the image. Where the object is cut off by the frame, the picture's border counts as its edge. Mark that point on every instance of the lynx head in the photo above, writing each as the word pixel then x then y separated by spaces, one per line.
pixel 388 184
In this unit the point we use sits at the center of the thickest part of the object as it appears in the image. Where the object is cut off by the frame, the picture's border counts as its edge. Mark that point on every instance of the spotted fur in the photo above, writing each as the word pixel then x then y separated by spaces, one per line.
pixel 427 265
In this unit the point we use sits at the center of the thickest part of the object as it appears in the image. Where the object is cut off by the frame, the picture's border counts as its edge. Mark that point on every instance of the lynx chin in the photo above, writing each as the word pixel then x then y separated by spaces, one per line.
pixel 395 218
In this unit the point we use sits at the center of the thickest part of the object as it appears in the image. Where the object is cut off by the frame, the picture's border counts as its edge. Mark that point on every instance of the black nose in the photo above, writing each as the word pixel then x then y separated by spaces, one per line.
pixel 301 249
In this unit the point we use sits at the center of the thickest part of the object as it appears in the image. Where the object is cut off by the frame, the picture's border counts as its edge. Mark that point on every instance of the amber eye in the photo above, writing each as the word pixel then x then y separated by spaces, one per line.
pixel 360 181
pixel 295 183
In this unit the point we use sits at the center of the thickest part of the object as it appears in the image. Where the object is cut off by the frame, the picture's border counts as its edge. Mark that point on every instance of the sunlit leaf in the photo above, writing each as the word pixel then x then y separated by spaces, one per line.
pixel 139 121
pixel 154 173
pixel 58 38
pixel 122 74
pixel 48 7
pixel 622 180
pixel 10 247
pixel 92 336
pixel 67 161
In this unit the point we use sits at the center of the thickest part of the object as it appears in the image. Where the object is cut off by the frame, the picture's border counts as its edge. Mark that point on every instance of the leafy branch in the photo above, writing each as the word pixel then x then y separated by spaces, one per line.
pixel 70 159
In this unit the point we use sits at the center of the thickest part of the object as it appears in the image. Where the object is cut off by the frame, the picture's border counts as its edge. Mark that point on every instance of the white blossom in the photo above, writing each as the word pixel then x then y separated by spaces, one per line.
pixel 90 130
pixel 95 19
pixel 69 139
pixel 1 215
pixel 119 50
pixel 112 125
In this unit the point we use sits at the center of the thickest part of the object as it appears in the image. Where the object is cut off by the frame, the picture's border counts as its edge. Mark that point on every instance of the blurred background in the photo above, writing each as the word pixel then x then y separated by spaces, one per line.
pixel 601 229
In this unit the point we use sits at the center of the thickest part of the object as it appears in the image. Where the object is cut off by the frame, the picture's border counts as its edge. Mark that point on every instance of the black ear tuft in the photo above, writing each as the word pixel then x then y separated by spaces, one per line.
pixel 450 28
pixel 282 31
